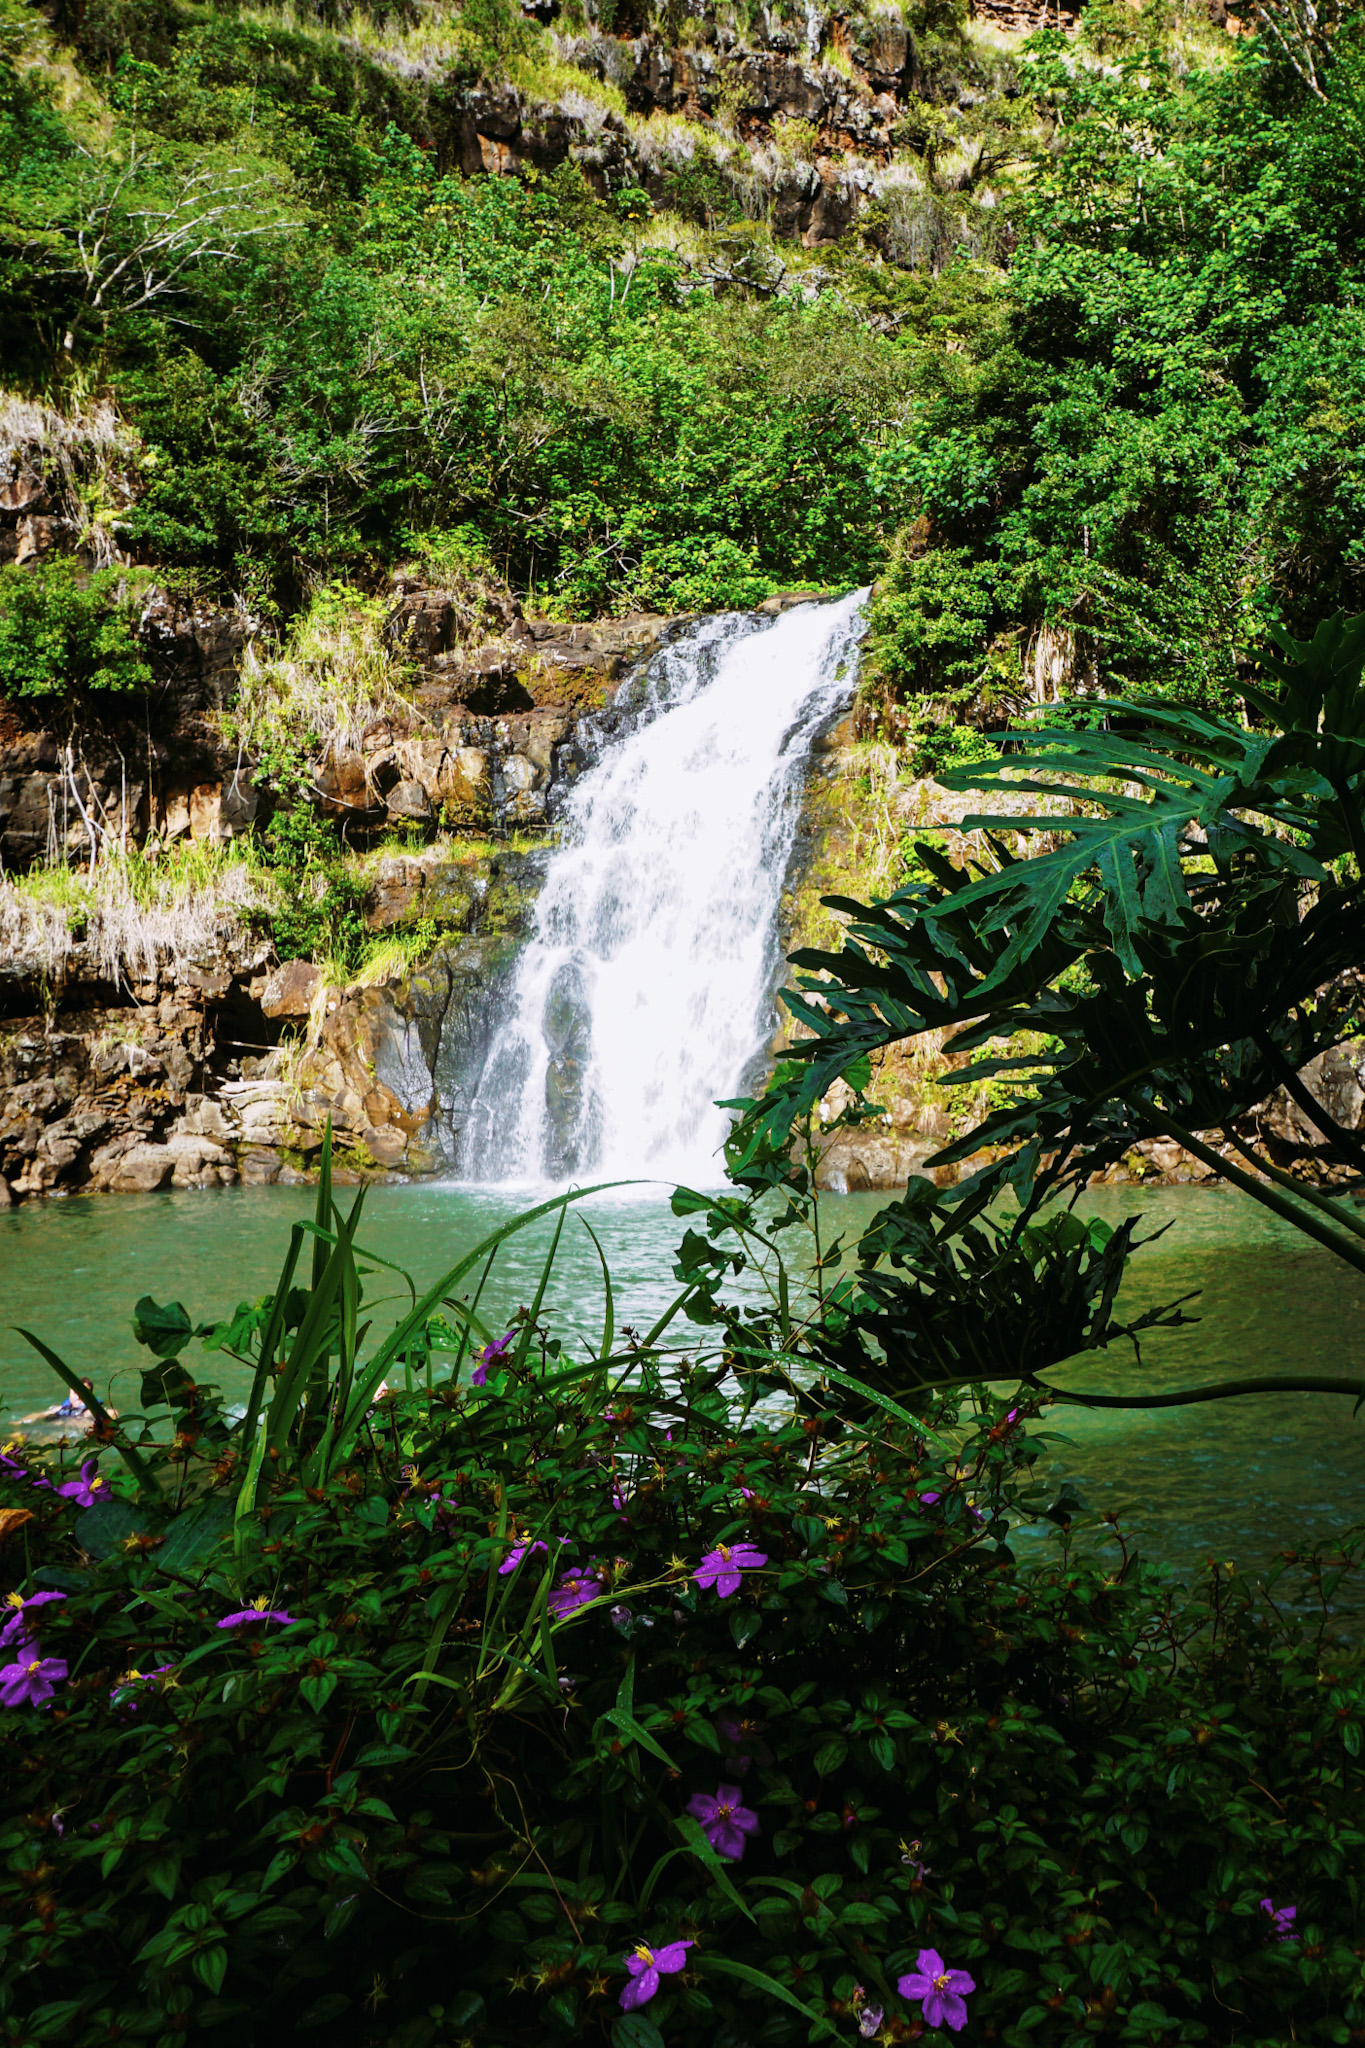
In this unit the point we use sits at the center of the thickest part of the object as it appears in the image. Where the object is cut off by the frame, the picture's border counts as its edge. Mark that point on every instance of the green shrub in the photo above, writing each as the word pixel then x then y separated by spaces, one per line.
pixel 705 574
pixel 447 1784
pixel 931 622
pixel 935 747
pixel 65 633
pixel 321 908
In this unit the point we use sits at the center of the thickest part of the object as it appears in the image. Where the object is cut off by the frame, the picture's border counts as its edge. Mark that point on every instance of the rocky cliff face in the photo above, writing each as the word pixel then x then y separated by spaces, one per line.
pixel 798 120
pixel 221 1063
pixel 227 1066
pixel 484 739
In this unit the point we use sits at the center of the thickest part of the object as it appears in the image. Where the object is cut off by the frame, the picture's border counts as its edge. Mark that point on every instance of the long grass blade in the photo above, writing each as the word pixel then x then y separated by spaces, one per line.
pixel 609 1313
pixel 323 1212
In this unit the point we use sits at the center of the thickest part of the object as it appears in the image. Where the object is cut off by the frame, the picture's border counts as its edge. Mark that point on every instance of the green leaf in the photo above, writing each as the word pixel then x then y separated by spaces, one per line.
pixel 100 1529
pixel 316 1691
pixel 210 1966
pixel 50 2022
pixel 164 1330
pixel 884 1750
pixel 163 1874
pixel 340 1916
pixel 629 1726
pixel 691 1831
pixel 192 1535
pixel 745 1624
pixel 331 2006
pixel 634 2030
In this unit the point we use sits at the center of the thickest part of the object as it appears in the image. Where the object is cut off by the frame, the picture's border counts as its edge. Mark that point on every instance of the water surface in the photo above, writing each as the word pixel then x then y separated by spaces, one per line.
pixel 1239 1479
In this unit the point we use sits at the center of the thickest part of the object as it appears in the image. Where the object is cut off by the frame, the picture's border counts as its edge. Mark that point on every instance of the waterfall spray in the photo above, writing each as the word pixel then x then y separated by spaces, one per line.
pixel 646 990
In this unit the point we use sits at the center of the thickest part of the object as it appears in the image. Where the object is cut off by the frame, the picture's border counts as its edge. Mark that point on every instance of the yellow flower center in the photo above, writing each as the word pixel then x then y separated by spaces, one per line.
pixel 724 1550
pixel 260 1604
pixel 941 1983
pixel 14 1599
pixel 646 1955
pixel 34 1665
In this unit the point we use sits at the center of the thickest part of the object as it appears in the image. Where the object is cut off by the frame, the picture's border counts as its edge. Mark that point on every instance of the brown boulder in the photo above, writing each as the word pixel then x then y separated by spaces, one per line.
pixel 409 804
pixel 289 991
pixel 143 1169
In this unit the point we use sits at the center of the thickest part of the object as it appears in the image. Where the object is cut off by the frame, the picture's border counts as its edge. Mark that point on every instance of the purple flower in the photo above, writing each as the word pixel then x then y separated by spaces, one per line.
pixel 18 1605
pixel 516 1554
pixel 739 1733
pixel 132 1679
pixel 942 1991
pixel 258 1611
pixel 1281 1919
pixel 575 1589
pixel 722 1566
pixel 492 1354
pixel 86 1490
pixel 30 1684
pixel 928 1500
pixel 724 1822
pixel 15 1636
pixel 646 1966
pixel 869 2019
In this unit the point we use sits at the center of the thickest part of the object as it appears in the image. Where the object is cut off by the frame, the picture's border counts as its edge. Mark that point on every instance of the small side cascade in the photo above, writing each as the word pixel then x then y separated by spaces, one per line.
pixel 646 991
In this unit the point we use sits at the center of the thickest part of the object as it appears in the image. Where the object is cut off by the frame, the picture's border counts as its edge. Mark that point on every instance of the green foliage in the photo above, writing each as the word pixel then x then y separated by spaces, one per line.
pixel 1157 452
pixel 320 906
pixel 932 620
pixel 1121 403
pixel 422 1799
pixel 1186 945
pixel 64 633
pixel 932 748
pixel 701 575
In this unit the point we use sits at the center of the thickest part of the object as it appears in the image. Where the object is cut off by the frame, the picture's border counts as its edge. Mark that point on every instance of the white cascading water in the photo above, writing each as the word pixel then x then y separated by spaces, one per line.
pixel 646 991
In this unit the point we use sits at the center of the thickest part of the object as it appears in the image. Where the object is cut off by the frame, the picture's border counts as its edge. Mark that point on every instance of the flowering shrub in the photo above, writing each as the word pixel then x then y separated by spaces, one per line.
pixel 468 1735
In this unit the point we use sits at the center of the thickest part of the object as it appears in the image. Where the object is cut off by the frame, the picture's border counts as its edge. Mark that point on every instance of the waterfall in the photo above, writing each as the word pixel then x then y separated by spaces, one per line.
pixel 646 991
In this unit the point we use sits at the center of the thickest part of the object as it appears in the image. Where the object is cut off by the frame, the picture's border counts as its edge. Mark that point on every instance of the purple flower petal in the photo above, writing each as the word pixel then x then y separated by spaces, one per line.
pixel 86 1490
pixel 724 1822
pixel 31 1684
pixel 575 1589
pixel 644 1966
pixel 516 1554
pixel 941 1991
pixel 493 1354
pixel 722 1566
pixel 245 1616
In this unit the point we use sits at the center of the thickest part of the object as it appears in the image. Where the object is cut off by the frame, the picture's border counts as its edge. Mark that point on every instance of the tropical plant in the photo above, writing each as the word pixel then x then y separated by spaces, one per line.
pixel 1188 945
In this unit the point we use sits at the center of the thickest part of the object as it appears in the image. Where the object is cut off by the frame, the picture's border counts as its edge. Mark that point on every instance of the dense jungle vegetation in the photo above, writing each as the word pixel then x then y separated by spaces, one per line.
pixel 1090 372
pixel 385 1676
